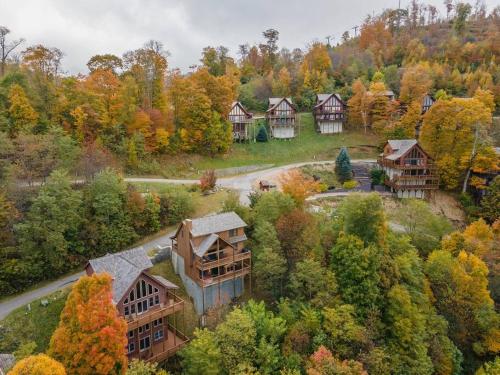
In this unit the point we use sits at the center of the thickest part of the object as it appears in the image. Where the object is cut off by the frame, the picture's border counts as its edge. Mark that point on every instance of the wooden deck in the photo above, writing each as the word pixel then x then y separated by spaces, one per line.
pixel 134 321
pixel 161 351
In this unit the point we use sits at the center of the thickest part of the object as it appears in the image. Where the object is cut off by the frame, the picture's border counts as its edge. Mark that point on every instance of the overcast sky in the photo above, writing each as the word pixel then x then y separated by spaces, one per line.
pixel 83 28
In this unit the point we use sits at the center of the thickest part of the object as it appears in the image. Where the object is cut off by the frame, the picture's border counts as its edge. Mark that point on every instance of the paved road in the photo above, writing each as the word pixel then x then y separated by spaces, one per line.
pixel 243 183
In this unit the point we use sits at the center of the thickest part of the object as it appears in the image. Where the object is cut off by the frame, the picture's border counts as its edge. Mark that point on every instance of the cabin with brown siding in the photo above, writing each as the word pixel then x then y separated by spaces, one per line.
pixel 148 303
pixel 281 117
pixel 209 255
pixel 329 113
pixel 241 120
pixel 409 169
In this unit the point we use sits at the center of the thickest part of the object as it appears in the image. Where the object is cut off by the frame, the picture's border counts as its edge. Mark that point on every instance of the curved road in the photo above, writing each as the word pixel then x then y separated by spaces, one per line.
pixel 243 183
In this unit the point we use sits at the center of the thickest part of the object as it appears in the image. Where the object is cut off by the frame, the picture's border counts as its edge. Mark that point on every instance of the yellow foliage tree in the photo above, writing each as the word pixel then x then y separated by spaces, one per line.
pixel 21 114
pixel 359 105
pixel 281 85
pixel 298 186
pixel 40 364
pixel 416 82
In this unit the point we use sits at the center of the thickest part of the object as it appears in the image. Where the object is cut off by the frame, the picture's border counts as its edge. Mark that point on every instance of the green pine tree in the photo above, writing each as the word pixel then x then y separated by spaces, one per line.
pixel 343 167
pixel 262 134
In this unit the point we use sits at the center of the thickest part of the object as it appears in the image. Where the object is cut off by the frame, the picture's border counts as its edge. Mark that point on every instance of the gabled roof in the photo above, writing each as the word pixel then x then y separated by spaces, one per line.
pixel 167 284
pixel 6 362
pixel 124 267
pixel 274 102
pixel 207 243
pixel 242 108
pixel 322 98
pixel 216 223
pixel 400 147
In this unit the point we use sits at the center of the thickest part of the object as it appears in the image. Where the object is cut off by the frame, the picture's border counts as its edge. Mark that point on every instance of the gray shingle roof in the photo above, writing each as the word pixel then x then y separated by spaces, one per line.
pixel 205 245
pixel 399 147
pixel 322 98
pixel 216 223
pixel 164 282
pixel 273 102
pixel 6 362
pixel 124 268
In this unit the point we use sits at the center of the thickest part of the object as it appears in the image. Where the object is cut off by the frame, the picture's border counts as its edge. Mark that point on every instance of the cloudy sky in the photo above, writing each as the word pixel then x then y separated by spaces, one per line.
pixel 82 28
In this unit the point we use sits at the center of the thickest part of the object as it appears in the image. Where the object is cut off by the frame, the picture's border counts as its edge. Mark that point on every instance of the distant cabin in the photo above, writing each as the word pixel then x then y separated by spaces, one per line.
pixel 241 120
pixel 281 117
pixel 329 113
pixel 409 169
pixel 389 94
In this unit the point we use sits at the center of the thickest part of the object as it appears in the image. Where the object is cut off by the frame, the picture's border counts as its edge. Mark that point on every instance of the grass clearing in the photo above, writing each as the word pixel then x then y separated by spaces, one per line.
pixel 191 320
pixel 307 146
pixel 37 324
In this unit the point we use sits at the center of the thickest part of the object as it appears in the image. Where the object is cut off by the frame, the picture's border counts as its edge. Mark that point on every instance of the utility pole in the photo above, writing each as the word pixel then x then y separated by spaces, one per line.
pixel 328 37
pixel 355 28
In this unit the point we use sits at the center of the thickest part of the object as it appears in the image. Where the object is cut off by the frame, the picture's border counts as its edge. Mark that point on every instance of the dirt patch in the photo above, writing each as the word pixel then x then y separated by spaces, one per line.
pixel 447 205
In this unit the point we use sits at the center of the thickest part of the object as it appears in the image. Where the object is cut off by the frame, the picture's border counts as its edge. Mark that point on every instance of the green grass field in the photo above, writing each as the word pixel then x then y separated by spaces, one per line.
pixel 37 324
pixel 307 146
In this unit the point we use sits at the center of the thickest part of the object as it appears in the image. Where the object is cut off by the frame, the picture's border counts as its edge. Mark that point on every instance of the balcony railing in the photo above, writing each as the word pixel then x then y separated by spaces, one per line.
pixel 220 261
pixel 425 182
pixel 392 164
pixel 172 305
pixel 226 276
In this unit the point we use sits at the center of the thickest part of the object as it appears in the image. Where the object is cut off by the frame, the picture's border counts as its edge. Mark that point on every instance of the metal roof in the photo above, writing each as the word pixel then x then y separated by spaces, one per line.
pixel 164 282
pixel 399 147
pixel 216 223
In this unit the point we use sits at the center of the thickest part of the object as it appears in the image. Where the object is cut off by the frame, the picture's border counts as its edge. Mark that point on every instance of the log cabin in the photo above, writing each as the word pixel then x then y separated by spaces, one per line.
pixel 410 171
pixel 147 302
pixel 241 120
pixel 281 117
pixel 329 113
pixel 209 255
pixel 427 103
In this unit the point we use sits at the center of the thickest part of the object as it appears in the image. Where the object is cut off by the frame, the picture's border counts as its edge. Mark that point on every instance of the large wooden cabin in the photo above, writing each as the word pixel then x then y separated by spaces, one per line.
pixel 147 302
pixel 329 113
pixel 281 117
pixel 410 170
pixel 209 255
pixel 241 120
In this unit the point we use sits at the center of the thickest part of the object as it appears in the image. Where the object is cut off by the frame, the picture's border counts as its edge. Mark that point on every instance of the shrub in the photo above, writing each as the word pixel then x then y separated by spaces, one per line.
pixel 262 134
pixel 377 176
pixel 208 180
pixel 351 184
pixel 175 205
pixel 322 187
pixel 343 167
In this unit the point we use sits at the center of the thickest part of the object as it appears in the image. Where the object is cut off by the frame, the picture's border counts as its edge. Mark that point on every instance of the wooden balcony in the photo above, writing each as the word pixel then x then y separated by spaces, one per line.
pixel 240 120
pixel 392 164
pixel 206 281
pixel 164 349
pixel 425 182
pixel 221 261
pixel 173 305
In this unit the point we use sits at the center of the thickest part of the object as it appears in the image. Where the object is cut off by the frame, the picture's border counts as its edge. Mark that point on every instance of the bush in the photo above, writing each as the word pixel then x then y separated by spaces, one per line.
pixel 208 180
pixel 377 176
pixel 322 187
pixel 351 184
pixel 262 134
pixel 175 206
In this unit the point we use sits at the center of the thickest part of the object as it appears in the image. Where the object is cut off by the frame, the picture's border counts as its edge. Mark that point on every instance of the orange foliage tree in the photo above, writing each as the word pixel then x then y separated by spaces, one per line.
pixel 298 186
pixel 91 337
pixel 40 364
pixel 323 362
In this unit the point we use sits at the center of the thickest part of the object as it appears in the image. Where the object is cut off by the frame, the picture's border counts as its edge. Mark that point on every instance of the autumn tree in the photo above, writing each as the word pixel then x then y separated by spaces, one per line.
pixel 323 362
pixel 490 204
pixel 415 83
pixel 449 131
pixel 270 268
pixel 6 48
pixel 105 62
pixel 91 337
pixel 202 355
pixel 39 364
pixel 281 85
pixel 298 186
pixel 359 105
pixel 21 114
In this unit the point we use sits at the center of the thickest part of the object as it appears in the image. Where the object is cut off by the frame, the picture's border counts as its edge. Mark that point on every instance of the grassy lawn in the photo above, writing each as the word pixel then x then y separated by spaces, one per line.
pixel 166 270
pixel 307 146
pixel 36 325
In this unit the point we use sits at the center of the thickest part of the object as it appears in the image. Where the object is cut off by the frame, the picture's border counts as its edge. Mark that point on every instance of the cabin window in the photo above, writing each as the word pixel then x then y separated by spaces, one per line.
pixel 132 309
pixel 138 290
pixel 131 295
pixel 151 303
pixel 150 289
pixel 233 232
pixel 157 299
pixel 126 301
pixel 126 312
pixel 143 287
pixel 139 308
pixel 145 305
pixel 158 335
pixel 131 347
pixel 144 344
pixel 156 290
pixel 131 334
pixel 157 322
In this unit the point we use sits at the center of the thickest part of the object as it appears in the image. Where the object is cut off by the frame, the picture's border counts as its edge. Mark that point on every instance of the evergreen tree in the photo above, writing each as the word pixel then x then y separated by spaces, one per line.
pixel 262 134
pixel 343 167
